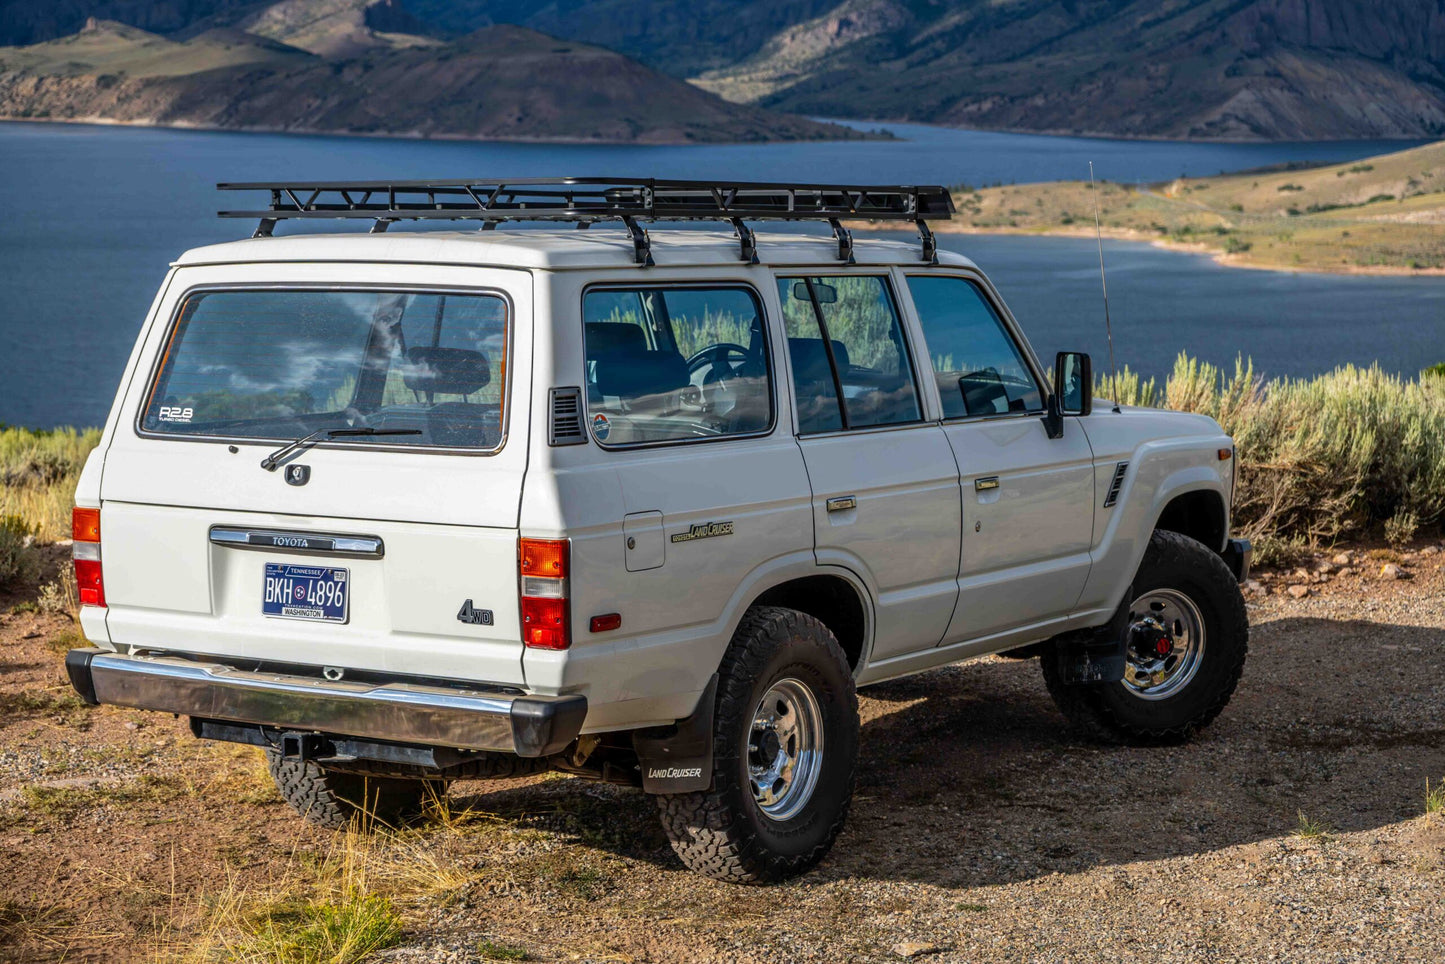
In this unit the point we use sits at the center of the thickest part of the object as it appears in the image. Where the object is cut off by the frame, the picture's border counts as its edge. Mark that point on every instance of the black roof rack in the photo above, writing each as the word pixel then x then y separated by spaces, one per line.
pixel 586 200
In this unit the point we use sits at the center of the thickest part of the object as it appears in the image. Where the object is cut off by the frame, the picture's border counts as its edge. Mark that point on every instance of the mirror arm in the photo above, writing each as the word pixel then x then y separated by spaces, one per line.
pixel 1054 418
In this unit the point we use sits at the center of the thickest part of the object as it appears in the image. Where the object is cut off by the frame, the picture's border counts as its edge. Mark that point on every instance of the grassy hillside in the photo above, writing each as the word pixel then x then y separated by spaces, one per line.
pixel 115 50
pixel 1381 215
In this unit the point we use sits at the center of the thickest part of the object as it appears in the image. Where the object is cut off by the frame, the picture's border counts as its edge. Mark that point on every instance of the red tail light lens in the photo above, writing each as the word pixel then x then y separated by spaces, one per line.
pixel 85 550
pixel 90 582
pixel 542 571
pixel 544 623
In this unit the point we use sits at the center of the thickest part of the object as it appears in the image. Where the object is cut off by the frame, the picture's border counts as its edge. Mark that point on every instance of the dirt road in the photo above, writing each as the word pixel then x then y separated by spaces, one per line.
pixel 1294 829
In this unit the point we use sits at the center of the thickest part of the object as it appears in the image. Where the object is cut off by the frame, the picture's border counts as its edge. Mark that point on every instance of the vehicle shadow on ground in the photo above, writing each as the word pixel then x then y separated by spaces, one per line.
pixel 968 776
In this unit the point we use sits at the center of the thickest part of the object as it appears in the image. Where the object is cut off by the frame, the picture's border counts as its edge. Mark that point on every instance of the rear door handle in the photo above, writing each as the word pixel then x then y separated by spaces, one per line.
pixel 983 485
pixel 842 502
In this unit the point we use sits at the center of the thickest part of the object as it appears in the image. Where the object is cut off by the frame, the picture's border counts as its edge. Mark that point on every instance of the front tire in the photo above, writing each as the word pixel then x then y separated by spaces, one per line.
pixel 785 745
pixel 334 798
pixel 1187 637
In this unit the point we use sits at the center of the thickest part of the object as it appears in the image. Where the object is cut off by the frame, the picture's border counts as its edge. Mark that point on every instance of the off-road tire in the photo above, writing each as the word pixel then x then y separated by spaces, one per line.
pixel 722 833
pixel 333 798
pixel 1110 712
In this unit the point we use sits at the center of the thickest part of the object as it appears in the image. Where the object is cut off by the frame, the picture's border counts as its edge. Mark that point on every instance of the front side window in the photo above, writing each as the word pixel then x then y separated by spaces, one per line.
pixel 669 364
pixel 980 370
pixel 284 364
pixel 844 335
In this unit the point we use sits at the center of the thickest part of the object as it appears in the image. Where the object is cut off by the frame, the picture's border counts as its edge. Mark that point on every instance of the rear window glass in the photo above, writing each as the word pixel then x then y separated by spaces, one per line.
pixel 667 364
pixel 283 364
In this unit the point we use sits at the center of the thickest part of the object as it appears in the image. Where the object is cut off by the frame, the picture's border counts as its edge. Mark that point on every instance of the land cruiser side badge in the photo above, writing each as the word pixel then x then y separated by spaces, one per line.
pixel 473 616
pixel 704 531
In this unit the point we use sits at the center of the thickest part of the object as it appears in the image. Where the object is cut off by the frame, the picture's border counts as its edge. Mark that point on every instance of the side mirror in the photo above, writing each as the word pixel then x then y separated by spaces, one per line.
pixel 1074 382
pixel 1073 392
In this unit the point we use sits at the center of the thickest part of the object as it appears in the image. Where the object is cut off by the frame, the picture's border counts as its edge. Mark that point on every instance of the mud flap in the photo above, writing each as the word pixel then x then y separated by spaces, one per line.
pixel 678 758
pixel 1093 655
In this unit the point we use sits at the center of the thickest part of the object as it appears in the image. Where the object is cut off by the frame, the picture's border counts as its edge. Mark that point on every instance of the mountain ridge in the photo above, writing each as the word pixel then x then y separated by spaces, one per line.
pixel 1187 69
pixel 500 83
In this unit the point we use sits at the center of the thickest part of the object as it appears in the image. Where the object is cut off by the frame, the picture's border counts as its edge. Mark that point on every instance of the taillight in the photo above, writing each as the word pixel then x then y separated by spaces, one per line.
pixel 85 552
pixel 542 568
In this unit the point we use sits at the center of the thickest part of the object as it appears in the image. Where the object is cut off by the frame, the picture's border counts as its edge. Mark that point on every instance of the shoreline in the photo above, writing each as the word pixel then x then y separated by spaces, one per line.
pixel 449 138
pixel 1221 258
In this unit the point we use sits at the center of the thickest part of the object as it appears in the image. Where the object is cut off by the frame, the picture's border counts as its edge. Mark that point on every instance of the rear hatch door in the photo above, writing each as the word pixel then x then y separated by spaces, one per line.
pixel 391 552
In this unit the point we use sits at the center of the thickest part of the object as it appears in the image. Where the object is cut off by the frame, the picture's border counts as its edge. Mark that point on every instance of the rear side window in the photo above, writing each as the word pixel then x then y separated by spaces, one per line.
pixel 283 364
pixel 863 354
pixel 980 370
pixel 669 364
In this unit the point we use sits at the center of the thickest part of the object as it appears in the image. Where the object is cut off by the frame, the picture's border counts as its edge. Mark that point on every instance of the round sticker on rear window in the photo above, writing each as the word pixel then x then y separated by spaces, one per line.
pixel 601 427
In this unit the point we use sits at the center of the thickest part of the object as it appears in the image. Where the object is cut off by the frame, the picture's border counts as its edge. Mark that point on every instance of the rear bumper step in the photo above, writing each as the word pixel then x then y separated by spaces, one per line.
pixel 399 712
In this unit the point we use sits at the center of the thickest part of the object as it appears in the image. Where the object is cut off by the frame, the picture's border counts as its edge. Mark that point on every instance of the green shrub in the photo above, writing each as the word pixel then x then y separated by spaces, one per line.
pixel 1318 458
pixel 17 550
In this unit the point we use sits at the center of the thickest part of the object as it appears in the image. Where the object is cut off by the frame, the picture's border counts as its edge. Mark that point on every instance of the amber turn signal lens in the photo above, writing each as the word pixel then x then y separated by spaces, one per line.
pixel 1226 454
pixel 85 525
pixel 543 557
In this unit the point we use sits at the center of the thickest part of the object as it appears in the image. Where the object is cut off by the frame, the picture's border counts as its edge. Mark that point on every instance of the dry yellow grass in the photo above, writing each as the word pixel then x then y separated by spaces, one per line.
pixel 1380 216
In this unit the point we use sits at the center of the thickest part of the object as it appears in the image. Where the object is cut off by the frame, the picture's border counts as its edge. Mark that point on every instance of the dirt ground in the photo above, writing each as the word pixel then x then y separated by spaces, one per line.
pixel 1294 829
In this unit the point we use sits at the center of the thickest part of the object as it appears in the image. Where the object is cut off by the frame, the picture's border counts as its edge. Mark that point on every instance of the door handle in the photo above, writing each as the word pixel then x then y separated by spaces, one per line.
pixel 842 502
pixel 983 485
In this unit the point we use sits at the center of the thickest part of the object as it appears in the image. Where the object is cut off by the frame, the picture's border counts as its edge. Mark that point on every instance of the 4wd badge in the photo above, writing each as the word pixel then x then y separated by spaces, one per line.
pixel 473 616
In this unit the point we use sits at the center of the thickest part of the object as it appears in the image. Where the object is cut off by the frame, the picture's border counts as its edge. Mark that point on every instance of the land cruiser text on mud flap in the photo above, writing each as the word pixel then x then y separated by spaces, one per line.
pixel 404 508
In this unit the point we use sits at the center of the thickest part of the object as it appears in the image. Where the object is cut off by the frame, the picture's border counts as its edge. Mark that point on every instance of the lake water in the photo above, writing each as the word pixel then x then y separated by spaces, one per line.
pixel 92 216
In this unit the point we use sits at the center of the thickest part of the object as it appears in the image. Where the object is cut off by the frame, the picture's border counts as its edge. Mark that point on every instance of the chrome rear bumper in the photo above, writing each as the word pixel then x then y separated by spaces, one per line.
pixel 399 712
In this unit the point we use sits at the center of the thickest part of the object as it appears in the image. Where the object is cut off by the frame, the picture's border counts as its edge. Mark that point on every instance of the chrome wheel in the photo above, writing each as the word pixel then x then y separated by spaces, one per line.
pixel 785 748
pixel 1164 644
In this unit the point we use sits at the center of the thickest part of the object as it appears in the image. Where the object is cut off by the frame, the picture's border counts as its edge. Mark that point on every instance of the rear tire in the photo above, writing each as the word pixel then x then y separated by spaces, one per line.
pixel 1190 592
pixel 785 746
pixel 333 798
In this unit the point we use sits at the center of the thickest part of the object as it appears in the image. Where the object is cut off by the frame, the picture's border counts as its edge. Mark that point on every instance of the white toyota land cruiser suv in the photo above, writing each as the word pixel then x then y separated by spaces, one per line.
pixel 404 508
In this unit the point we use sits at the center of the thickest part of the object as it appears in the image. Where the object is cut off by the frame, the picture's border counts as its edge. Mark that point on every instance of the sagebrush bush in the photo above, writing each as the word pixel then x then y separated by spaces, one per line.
pixel 60 596
pixel 17 551
pixel 1322 458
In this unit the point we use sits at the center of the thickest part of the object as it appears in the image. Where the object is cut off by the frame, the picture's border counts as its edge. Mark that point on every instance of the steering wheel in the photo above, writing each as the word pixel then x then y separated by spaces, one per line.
pixel 716 355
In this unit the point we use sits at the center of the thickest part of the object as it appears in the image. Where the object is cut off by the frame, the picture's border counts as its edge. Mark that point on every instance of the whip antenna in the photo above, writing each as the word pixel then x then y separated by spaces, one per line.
pixel 1103 280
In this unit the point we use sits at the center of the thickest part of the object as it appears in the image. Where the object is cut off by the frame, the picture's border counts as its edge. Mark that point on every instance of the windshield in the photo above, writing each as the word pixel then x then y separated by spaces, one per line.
pixel 284 364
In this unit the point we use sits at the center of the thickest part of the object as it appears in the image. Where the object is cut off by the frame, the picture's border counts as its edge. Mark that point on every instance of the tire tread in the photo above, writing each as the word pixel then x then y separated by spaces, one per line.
pixel 707 832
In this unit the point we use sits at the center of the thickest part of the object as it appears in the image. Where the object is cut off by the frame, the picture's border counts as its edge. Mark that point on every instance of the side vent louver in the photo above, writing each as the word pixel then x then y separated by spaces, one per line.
pixel 564 426
pixel 1120 471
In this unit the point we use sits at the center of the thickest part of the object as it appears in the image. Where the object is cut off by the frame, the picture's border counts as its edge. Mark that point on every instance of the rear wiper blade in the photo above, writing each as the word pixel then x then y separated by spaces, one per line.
pixel 270 462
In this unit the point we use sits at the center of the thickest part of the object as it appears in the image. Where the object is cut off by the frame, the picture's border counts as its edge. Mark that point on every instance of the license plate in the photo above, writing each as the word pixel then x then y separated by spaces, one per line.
pixel 304 592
